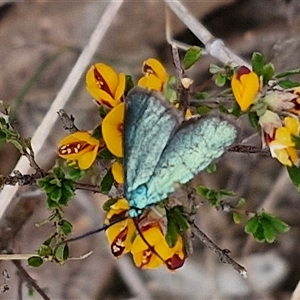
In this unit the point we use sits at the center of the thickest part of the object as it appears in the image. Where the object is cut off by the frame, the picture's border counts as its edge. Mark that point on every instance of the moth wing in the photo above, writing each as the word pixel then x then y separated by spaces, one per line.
pixel 191 149
pixel 148 124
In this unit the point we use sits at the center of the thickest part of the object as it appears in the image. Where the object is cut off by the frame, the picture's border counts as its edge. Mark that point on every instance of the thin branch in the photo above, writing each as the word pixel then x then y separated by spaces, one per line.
pixel 68 121
pixel 222 253
pixel 249 149
pixel 215 47
pixel 26 277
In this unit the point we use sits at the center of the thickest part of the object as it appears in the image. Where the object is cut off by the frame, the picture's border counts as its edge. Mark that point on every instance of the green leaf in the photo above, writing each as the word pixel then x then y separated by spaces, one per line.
pixel 97 133
pixel 288 73
pixel 220 80
pixel 212 168
pixel 191 57
pixel 278 224
pixel 107 204
pixel 170 89
pixel 74 173
pixel 294 173
pixel 56 194
pixel 171 235
pixel 203 110
pixel 55 181
pixel 269 230
pixel 241 203
pixel 253 119
pixel 237 218
pixel 66 227
pixel 51 204
pixel 259 235
pixel 214 69
pixel 296 140
pixel 252 225
pixel 59 173
pixel 105 154
pixel 202 95
pixel 129 84
pixel 236 110
pixel 107 182
pixel 257 63
pixel 287 84
pixel 61 253
pixel 2 135
pixel 35 261
pixel 268 72
pixel 45 251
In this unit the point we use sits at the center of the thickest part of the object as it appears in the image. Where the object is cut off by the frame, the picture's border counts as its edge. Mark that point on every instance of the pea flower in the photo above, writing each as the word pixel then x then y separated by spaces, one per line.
pixel 105 84
pixel 124 237
pixel 119 235
pixel 81 147
pixel 159 252
pixel 281 145
pixel 155 75
pixel 245 86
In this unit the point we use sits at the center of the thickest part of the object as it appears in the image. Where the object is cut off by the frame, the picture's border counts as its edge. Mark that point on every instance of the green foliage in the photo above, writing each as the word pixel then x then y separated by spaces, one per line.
pixel 288 73
pixel 129 84
pixel 203 110
pixel 201 95
pixel 265 227
pixel 287 84
pixel 253 119
pixel 192 55
pixel 107 182
pixel 220 80
pixel 214 197
pixel 59 190
pixel 177 224
pixel 105 154
pixel 61 253
pixel 294 173
pixel 170 89
pixel 35 261
pixel 260 68
pixel 212 168
pixel 107 204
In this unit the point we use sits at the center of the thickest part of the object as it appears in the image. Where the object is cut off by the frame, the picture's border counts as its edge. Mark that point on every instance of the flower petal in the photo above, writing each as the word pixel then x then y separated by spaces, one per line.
pixel 112 130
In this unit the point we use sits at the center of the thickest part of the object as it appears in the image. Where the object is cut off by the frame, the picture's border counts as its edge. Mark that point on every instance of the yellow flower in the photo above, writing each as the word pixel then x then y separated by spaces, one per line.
pixel 120 234
pixel 79 146
pixel 105 84
pixel 282 146
pixel 159 252
pixel 112 130
pixel 117 172
pixel 155 75
pixel 245 86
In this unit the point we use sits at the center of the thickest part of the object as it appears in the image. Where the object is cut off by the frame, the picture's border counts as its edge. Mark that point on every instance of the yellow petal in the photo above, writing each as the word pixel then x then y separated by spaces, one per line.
pixel 283 157
pixel 245 87
pixel 153 66
pixel 151 82
pixel 283 136
pixel 112 130
pixel 117 172
pixel 292 125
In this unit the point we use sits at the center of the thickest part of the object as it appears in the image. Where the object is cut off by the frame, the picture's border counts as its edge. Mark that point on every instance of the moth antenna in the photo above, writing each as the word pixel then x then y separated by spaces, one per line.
pixel 146 242
pixel 102 228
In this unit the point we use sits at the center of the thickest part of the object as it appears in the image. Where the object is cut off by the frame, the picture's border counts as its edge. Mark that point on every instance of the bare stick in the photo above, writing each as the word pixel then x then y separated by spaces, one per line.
pixel 26 277
pixel 215 47
pixel 222 253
